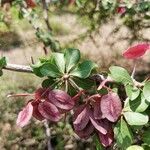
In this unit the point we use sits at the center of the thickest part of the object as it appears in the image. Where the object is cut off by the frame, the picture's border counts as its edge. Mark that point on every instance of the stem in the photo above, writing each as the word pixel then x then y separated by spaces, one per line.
pixel 48 134
pixel 75 85
pixel 66 85
pixel 18 68
pixel 133 72
pixel 19 95
pixel 28 69
pixel 45 14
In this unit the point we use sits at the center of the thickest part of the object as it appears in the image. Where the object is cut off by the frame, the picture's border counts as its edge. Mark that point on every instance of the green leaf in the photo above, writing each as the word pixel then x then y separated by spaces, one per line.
pixel 48 82
pixel 51 70
pixel 135 147
pixel 132 92
pixel 119 74
pixel 146 137
pixel 123 134
pixel 59 61
pixel 72 57
pixel 97 143
pixel 146 91
pixel 135 118
pixel 2 62
pixel 138 105
pixel 36 68
pixel 84 83
pixel 84 69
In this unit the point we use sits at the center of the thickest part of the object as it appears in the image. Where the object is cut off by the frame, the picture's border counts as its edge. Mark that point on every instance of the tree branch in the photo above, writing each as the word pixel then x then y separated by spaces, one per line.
pixel 27 69
pixel 18 68
pixel 45 13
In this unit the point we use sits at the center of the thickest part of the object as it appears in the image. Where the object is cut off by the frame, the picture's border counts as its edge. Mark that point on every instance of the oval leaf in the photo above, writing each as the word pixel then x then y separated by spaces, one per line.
pixel 119 74
pixel 86 132
pixel 106 139
pixel 139 105
pixel 81 117
pixel 84 69
pixel 136 51
pixel 59 61
pixel 61 99
pixel 25 115
pixel 134 118
pixel 100 125
pixel 51 70
pixel 123 134
pixel 135 147
pixel 72 57
pixel 146 91
pixel 36 113
pixel 49 111
pixel 111 106
pixel 97 110
pixel 132 92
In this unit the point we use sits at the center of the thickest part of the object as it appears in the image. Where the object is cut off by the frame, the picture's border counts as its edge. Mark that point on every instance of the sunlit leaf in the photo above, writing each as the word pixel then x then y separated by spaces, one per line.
pixel 135 118
pixel 84 69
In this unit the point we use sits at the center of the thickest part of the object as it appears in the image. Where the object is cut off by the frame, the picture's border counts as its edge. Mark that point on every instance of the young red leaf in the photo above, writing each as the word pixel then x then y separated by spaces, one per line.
pixel 106 139
pixel 31 3
pixel 36 112
pixel 42 93
pixel 96 97
pixel 136 51
pixel 77 96
pixel 111 106
pixel 121 10
pixel 61 99
pixel 100 125
pixel 86 132
pixel 81 118
pixel 97 110
pixel 25 115
pixel 49 111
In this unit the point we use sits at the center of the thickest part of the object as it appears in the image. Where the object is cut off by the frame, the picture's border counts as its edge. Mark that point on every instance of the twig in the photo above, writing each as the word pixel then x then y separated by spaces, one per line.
pixel 95 77
pixel 45 15
pixel 48 134
pixel 18 68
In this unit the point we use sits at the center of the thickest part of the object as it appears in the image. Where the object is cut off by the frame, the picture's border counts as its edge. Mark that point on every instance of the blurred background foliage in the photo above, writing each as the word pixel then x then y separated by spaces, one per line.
pixel 96 27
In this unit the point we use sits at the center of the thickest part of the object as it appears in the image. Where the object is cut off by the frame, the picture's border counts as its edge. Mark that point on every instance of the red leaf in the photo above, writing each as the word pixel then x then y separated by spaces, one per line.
pixel 121 10
pixel 77 96
pixel 106 139
pixel 49 111
pixel 61 99
pixel 31 3
pixel 136 51
pixel 25 115
pixel 96 97
pixel 100 125
pixel 36 112
pixel 111 106
pixel 97 110
pixel 42 93
pixel 81 117
pixel 86 132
